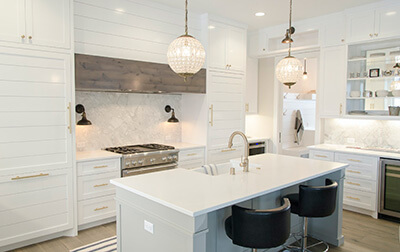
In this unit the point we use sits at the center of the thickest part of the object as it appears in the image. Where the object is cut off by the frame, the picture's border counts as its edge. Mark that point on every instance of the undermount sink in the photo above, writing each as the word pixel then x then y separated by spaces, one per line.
pixel 225 168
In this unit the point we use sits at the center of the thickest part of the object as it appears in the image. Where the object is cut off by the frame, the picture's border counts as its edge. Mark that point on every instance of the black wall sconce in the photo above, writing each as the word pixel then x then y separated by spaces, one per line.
pixel 173 119
pixel 80 109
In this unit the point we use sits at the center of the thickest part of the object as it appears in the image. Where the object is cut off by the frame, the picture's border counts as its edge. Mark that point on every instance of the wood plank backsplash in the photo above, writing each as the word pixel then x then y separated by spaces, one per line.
pixel 94 73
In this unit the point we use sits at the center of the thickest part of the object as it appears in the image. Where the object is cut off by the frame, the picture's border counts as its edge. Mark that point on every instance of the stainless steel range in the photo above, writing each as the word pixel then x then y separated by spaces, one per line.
pixel 146 158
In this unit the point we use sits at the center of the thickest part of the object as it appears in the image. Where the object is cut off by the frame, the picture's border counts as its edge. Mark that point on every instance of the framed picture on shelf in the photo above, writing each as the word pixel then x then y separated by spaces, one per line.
pixel 373 73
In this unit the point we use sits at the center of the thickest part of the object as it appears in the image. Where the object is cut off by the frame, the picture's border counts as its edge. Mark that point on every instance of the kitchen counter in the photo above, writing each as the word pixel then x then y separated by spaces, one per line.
pixel 276 172
pixel 184 146
pixel 355 150
pixel 179 207
pixel 95 155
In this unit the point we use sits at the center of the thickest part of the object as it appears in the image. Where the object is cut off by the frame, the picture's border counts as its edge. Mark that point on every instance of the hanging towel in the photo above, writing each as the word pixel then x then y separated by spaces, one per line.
pixel 210 169
pixel 299 128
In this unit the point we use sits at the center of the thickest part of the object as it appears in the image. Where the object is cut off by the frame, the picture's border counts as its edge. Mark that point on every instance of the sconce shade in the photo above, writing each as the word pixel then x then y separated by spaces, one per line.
pixel 173 119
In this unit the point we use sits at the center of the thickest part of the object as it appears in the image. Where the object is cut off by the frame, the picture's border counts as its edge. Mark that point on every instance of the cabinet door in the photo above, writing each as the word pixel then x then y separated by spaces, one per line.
pixel 236 49
pixel 12 20
pixel 36 124
pixel 386 22
pixel 333 81
pixel 226 109
pixel 360 26
pixel 251 86
pixel 48 22
pixel 335 32
pixel 217 44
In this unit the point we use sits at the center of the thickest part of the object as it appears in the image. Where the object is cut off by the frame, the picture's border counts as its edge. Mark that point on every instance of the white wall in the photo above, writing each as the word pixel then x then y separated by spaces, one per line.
pixel 261 125
pixel 130 29
pixel 126 119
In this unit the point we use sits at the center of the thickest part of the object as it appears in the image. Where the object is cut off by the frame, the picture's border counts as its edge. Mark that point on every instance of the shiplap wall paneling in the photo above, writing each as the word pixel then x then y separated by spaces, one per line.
pixel 139 30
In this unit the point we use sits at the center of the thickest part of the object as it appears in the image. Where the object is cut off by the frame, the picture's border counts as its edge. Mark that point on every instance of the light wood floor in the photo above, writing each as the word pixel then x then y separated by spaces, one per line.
pixel 362 234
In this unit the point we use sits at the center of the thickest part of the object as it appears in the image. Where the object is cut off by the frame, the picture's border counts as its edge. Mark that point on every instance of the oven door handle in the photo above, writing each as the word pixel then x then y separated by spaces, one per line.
pixel 138 171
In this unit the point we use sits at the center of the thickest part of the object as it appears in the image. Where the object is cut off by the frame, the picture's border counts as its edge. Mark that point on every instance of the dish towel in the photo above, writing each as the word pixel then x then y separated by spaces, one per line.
pixel 210 169
pixel 298 127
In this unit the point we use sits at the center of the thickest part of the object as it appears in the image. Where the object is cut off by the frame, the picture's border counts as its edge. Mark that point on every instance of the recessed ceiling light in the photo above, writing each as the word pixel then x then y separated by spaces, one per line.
pixel 260 14
pixel 211 27
pixel 391 13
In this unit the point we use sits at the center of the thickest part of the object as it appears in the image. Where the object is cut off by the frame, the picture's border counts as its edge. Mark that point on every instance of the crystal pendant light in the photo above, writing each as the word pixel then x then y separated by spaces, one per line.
pixel 289 70
pixel 186 55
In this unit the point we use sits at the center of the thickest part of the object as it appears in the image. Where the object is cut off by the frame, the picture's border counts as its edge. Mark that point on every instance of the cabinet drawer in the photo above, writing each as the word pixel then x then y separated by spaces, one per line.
pixel 92 186
pixel 358 160
pixel 360 184
pixel 362 172
pixel 190 154
pixel 190 164
pixel 360 199
pixel 322 155
pixel 224 155
pixel 96 209
pixel 96 167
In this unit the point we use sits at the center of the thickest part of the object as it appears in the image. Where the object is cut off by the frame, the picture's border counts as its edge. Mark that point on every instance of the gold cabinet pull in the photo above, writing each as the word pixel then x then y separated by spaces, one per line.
pixel 354 171
pixel 247 107
pixel 341 108
pixel 352 183
pixel 30 37
pixel 212 115
pixel 354 160
pixel 101 208
pixel 105 184
pixel 191 154
pixel 70 119
pixel 23 36
pixel 353 198
pixel 100 166
pixel 321 156
pixel 31 176
pixel 228 150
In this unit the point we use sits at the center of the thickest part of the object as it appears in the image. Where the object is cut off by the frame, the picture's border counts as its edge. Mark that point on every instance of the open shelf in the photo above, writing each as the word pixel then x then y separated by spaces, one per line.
pixel 374 78
pixel 363 98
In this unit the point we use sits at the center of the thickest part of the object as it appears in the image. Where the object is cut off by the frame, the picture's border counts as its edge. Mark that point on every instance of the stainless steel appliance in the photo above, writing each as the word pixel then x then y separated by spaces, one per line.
pixel 257 147
pixel 389 187
pixel 146 158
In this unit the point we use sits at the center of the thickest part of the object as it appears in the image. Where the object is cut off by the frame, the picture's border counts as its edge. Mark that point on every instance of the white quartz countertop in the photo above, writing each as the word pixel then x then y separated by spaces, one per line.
pixel 183 146
pixel 95 155
pixel 195 193
pixel 354 150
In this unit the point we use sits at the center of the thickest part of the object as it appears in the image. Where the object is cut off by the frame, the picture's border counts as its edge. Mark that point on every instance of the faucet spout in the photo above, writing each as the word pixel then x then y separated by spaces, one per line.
pixel 245 159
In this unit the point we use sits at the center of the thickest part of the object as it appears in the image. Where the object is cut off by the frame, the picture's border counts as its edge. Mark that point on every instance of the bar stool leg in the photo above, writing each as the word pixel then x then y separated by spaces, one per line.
pixel 304 240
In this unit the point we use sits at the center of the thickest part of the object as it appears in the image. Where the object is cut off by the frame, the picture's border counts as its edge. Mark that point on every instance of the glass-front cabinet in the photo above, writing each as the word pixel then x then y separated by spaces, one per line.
pixel 373 79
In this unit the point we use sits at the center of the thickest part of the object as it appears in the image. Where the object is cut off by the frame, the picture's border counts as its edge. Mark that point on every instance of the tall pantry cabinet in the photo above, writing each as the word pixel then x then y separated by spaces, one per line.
pixel 225 89
pixel 37 142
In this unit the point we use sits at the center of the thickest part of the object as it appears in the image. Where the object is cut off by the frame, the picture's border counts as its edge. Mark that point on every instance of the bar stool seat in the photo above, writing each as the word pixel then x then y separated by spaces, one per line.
pixel 259 229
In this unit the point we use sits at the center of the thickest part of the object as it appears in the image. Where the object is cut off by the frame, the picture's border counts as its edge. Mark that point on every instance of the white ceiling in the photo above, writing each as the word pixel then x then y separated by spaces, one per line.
pixel 277 11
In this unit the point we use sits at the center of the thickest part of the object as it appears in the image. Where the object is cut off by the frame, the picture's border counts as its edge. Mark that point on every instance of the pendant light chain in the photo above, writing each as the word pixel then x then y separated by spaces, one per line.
pixel 290 27
pixel 186 17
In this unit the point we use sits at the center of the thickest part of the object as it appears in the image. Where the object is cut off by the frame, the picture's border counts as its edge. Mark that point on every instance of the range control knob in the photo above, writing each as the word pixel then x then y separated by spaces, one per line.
pixel 170 157
pixel 164 159
pixel 133 163
pixel 127 163
pixel 175 157
pixel 140 162
pixel 152 160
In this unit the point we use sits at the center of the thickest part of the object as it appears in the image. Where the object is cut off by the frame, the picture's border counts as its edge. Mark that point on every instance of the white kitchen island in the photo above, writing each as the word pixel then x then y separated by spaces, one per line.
pixel 182 210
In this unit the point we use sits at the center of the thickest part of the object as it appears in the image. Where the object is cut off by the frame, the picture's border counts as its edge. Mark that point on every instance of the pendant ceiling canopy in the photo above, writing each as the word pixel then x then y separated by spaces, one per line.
pixel 186 55
pixel 289 70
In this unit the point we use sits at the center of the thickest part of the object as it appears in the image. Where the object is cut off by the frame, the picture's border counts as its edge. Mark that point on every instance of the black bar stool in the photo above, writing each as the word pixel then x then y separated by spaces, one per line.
pixel 313 202
pixel 255 229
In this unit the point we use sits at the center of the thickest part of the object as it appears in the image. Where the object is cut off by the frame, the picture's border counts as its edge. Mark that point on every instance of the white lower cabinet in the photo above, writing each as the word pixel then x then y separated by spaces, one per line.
pixel 360 184
pixel 35 204
pixel 191 158
pixel 95 193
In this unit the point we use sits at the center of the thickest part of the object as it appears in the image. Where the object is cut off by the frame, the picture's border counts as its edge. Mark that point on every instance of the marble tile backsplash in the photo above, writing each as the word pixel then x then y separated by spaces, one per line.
pixel 364 133
pixel 125 119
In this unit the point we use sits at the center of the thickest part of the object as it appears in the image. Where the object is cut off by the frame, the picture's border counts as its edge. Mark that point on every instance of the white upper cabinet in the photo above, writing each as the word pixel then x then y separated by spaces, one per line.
pixel 334 32
pixel 227 47
pixel 333 81
pixel 36 22
pixel 373 24
pixel 251 93
pixel 12 20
